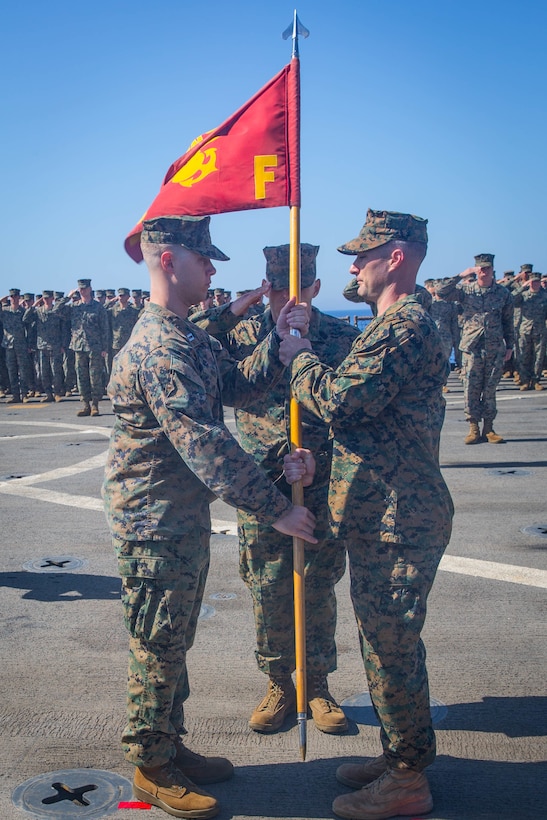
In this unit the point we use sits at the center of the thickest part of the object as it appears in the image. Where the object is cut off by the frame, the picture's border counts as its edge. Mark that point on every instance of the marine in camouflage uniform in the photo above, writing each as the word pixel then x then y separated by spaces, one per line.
pixel 123 317
pixel 15 343
pixel 170 455
pixel 49 338
pixel 387 500
pixel 90 340
pixel 445 315
pixel 487 340
pixel 266 558
pixel 531 299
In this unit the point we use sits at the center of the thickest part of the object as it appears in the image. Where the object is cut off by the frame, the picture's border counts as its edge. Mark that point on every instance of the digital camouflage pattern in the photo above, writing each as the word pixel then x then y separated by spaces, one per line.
pixel 484 260
pixel 266 561
pixel 190 231
pixel 122 322
pixel 382 227
pixel 445 316
pixel 18 360
pixel 277 265
pixel 170 455
pixel 487 329
pixel 88 324
pixel 388 499
pixel 49 339
pixel 532 333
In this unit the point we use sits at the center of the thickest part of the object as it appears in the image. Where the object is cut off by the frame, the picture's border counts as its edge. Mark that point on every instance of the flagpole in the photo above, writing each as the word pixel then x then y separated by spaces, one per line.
pixel 296 435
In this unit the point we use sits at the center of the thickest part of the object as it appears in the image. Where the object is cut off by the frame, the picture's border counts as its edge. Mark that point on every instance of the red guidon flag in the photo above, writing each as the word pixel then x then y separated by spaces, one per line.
pixel 250 161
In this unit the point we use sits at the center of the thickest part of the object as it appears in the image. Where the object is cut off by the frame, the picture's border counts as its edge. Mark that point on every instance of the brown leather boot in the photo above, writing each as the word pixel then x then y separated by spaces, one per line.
pixel 397 792
pixel 357 775
pixel 474 434
pixel 85 411
pixel 166 787
pixel 280 701
pixel 489 434
pixel 326 714
pixel 95 408
pixel 200 769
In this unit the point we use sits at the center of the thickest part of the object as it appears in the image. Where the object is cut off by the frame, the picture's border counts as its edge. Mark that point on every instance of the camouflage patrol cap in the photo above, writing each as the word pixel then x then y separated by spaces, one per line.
pixel 382 227
pixel 218 291
pixel 14 292
pixel 136 292
pixel 277 265
pixel 48 293
pixel 191 232
pixel 484 260
pixel 534 276
pixel 508 272
pixel 110 292
pixel 100 292
pixel 84 283
pixel 146 293
pixel 123 291
pixel 28 297
pixel 59 294
pixel 526 268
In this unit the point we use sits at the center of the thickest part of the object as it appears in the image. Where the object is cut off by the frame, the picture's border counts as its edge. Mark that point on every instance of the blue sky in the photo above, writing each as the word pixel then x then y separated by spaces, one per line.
pixel 435 108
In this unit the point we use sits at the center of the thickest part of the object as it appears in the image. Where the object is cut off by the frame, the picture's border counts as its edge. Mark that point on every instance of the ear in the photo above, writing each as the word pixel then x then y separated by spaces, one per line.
pixel 166 261
pixel 316 288
pixel 397 258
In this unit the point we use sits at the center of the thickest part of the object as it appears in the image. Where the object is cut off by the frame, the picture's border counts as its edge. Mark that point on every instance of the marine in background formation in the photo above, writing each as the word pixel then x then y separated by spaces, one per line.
pixel 487 340
pixel 266 560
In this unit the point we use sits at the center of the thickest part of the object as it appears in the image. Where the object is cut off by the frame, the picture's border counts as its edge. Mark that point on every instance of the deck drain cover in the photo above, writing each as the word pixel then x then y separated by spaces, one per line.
pixel 223 596
pixel 512 471
pixel 359 709
pixel 206 612
pixel 55 563
pixel 537 529
pixel 72 793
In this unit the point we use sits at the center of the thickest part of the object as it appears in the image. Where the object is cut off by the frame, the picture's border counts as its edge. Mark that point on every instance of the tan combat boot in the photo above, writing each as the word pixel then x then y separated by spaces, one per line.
pixel 474 434
pixel 326 714
pixel 396 792
pixel 47 398
pixel 357 775
pixel 95 408
pixel 489 434
pixel 538 386
pixel 524 386
pixel 279 702
pixel 166 787
pixel 200 769
pixel 85 411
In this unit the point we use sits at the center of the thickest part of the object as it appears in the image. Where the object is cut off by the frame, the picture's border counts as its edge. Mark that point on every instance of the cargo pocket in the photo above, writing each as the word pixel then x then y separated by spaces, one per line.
pixel 146 610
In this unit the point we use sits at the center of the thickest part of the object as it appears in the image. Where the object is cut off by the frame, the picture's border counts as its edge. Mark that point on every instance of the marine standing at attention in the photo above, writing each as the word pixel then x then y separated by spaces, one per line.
pixel 388 500
pixel 170 455
pixel 266 558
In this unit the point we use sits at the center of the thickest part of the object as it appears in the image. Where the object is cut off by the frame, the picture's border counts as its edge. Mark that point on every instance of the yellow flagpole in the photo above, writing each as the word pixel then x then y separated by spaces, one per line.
pixel 298 499
pixel 295 426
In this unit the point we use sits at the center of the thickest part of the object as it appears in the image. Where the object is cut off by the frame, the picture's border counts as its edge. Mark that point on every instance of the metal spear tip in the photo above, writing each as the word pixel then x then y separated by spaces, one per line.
pixel 296 28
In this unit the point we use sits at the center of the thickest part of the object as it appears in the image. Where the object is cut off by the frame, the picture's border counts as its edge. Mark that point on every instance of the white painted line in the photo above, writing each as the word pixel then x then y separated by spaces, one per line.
pixel 498 398
pixel 60 472
pixel 41 435
pixel 104 431
pixel 85 502
pixel 494 571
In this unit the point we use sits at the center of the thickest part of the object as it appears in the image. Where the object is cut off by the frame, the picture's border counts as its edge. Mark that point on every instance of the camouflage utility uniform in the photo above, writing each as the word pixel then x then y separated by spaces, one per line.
pixel 266 560
pixel 445 316
pixel 389 502
pixel 18 361
pixel 90 338
pixel 487 331
pixel 170 456
pixel 532 333
pixel 49 339
pixel 122 322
